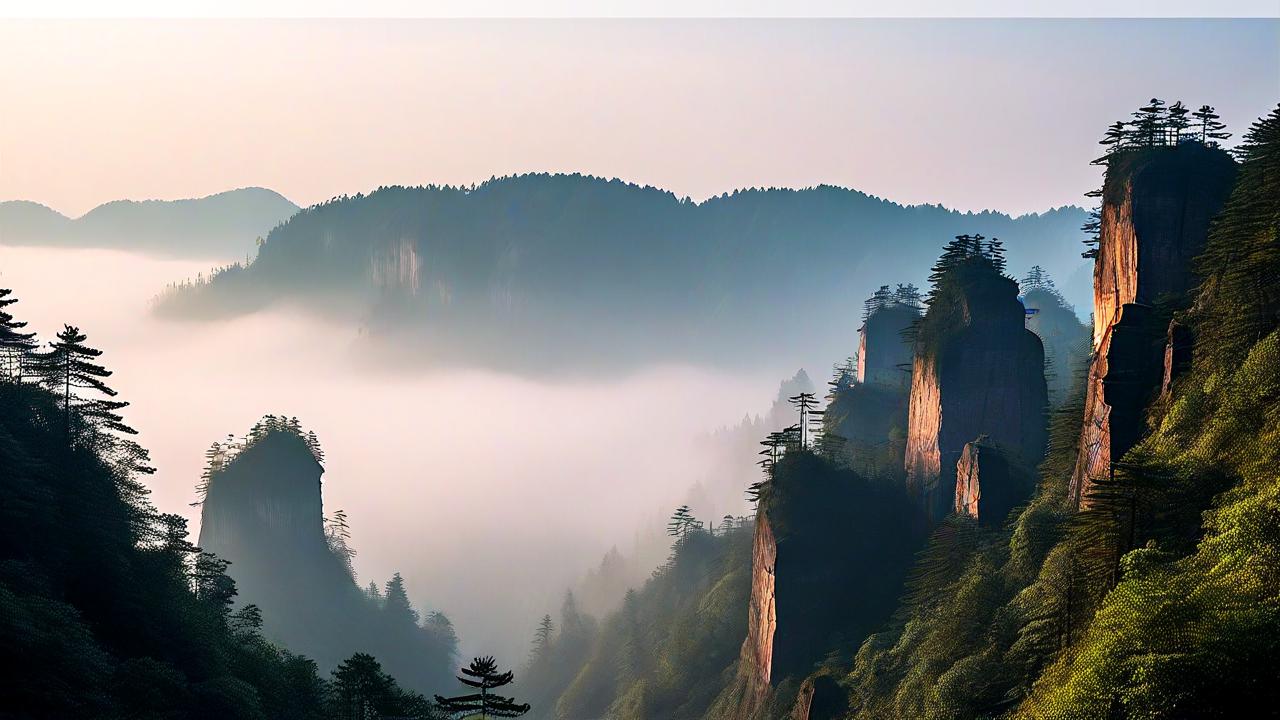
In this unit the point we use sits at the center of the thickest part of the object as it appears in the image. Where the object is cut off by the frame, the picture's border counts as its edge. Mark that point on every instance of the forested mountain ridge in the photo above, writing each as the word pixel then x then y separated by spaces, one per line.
pixel 219 226
pixel 570 269
pixel 1154 594
pixel 107 609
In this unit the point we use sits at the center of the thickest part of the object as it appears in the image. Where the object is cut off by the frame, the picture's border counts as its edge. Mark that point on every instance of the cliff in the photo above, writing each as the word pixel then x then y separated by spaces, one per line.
pixel 263 511
pixel 821 532
pixel 988 485
pixel 977 371
pixel 884 354
pixel 1157 205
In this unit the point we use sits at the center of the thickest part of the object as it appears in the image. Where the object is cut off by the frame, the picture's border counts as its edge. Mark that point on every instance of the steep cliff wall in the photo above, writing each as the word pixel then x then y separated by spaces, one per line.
pixel 979 371
pixel 1157 205
pixel 988 485
pixel 821 532
pixel 884 354
pixel 263 512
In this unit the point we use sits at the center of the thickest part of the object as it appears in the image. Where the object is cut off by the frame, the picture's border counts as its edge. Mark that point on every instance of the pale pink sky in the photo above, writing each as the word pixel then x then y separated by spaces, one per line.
pixel 971 114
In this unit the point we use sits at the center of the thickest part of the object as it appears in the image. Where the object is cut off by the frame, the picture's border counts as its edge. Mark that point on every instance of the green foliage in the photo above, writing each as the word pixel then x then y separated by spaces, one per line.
pixel 668 649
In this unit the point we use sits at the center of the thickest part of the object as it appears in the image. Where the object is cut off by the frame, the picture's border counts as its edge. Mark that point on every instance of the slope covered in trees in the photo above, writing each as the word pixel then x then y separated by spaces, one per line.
pixel 262 510
pixel 549 271
pixel 107 609
pixel 219 226
pixel 1158 599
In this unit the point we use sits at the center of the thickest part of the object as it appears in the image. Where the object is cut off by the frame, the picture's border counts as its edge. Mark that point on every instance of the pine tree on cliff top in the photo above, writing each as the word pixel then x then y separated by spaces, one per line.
pixel 482 675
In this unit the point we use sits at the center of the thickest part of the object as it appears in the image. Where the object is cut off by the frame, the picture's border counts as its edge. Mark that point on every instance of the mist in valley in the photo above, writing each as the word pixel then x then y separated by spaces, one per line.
pixel 456 478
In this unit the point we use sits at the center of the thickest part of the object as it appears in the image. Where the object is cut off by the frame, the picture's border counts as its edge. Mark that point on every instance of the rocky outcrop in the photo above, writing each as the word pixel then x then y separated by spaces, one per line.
pixel 988 486
pixel 1157 205
pixel 821 531
pixel 1178 343
pixel 980 373
pixel 263 512
pixel 820 698
pixel 756 661
pixel 884 354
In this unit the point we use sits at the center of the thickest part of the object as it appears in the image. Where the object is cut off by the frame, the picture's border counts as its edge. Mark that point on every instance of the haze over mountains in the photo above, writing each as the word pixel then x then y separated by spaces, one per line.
pixel 538 272
pixel 218 226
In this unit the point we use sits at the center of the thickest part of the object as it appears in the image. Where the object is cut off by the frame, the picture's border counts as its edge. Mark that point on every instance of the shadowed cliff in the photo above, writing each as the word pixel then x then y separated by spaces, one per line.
pixel 263 511
pixel 977 371
pixel 1157 204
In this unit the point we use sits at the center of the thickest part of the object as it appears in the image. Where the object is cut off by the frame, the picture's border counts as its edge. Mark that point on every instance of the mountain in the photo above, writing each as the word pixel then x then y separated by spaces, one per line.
pixel 556 271
pixel 220 226
pixel 262 511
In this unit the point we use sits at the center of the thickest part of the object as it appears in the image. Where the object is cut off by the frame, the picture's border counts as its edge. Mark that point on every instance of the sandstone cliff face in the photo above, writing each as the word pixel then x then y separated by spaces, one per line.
pixel 1156 210
pixel 983 376
pixel 988 486
pixel 884 355
pixel 756 660
pixel 821 531
pixel 820 698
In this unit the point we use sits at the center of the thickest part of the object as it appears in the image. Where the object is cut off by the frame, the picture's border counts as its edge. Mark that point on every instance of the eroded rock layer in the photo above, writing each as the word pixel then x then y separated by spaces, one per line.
pixel 984 375
pixel 1156 210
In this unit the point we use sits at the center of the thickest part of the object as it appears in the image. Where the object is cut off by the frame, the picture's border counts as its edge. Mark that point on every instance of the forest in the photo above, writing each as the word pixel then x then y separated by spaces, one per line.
pixel 995 511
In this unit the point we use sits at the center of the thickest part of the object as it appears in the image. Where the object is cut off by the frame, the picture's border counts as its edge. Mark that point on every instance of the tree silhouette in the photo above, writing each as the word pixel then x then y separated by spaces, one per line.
pixel 16 346
pixel 66 367
pixel 1148 125
pixel 361 687
pixel 482 675
pixel 542 639
pixel 682 523
pixel 1211 129
pixel 1177 121
pixel 805 404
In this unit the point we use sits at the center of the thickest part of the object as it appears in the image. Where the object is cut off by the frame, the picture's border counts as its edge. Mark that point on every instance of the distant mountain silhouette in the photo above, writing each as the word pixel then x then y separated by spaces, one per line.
pixel 224 225
pixel 543 270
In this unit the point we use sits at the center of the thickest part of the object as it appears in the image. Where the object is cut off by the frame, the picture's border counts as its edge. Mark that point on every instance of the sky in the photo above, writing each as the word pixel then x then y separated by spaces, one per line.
pixel 971 114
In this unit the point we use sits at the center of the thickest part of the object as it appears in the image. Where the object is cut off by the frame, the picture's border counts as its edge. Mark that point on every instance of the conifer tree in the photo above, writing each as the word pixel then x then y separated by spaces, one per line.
pixel 805 404
pixel 1149 124
pixel 542 640
pixel 395 603
pixel 16 346
pixel 1211 129
pixel 482 675
pixel 1177 122
pixel 68 367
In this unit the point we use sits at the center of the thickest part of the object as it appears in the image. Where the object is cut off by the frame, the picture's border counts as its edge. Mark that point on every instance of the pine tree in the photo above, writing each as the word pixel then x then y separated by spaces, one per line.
pixel 542 640
pixel 1149 124
pixel 395 604
pixel 16 346
pixel 1178 122
pixel 67 367
pixel 805 404
pixel 1114 140
pixel 1211 129
pixel 361 687
pixel 1093 229
pixel 482 675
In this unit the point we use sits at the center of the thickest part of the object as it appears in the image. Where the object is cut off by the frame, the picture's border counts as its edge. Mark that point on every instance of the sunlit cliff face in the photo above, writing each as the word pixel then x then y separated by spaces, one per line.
pixel 452 478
